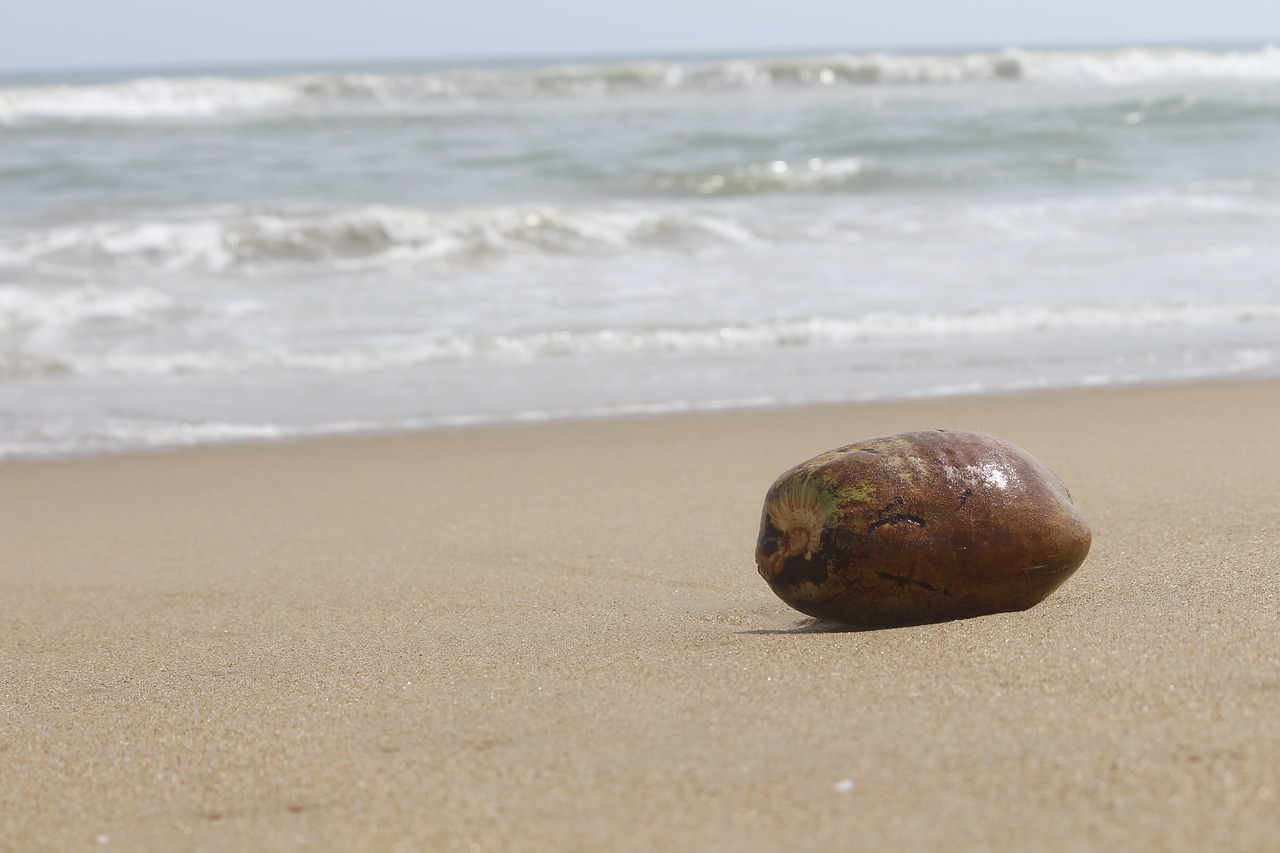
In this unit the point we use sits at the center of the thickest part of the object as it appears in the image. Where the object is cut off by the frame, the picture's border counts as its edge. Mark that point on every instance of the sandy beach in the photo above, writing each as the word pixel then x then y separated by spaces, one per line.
pixel 553 637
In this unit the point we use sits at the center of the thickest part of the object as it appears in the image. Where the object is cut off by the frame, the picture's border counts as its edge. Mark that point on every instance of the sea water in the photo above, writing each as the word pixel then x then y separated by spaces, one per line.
pixel 204 255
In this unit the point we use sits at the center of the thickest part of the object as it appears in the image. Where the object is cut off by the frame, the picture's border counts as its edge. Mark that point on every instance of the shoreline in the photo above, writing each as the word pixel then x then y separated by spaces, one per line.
pixel 553 636
pixel 639 412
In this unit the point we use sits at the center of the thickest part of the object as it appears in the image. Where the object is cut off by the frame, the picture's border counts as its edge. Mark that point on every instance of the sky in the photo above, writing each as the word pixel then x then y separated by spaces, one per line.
pixel 72 34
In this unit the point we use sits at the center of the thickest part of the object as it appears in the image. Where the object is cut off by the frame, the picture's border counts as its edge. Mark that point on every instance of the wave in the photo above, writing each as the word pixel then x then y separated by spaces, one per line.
pixel 374 237
pixel 241 240
pixel 47 318
pixel 185 98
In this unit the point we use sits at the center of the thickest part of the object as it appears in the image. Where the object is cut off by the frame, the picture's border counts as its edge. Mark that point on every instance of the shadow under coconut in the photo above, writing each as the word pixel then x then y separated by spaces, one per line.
pixel 816 626
pixel 813 625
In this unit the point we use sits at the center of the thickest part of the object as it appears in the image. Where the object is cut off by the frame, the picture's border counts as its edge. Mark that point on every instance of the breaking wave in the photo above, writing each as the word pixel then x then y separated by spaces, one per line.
pixel 368 237
pixel 244 240
pixel 194 98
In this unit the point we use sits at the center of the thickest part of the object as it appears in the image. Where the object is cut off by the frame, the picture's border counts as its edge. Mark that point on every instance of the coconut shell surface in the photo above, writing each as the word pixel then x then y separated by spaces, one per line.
pixel 919 527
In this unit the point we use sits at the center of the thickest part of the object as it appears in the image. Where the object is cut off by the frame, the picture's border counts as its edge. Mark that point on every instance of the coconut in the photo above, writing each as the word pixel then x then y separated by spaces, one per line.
pixel 919 527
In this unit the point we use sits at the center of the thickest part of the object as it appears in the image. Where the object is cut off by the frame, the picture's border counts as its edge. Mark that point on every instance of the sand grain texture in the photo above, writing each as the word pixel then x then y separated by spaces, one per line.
pixel 554 638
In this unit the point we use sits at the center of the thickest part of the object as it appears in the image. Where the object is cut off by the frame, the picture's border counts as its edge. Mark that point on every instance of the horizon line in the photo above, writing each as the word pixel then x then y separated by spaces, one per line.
pixel 538 57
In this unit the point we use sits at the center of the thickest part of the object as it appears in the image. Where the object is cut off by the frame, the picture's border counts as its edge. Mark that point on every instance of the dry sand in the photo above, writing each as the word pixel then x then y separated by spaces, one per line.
pixel 554 638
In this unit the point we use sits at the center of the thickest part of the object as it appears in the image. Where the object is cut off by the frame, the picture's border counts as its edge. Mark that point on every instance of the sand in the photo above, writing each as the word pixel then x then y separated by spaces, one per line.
pixel 553 637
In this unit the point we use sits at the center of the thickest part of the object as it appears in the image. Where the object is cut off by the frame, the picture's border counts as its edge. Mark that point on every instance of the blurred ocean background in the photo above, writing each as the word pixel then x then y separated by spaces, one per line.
pixel 206 255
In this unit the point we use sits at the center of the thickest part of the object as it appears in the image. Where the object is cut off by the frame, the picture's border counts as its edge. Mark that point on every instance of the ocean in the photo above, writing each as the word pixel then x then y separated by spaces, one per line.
pixel 205 255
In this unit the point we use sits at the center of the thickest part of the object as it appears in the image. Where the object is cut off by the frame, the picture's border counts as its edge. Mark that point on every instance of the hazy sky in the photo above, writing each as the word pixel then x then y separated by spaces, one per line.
pixel 50 34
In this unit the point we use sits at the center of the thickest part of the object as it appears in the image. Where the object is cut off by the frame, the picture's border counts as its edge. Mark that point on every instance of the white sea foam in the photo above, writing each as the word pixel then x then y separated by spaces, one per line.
pixel 51 321
pixel 179 98
pixel 70 437
pixel 1148 65
pixel 51 312
pixel 148 98
pixel 367 237
pixel 243 240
